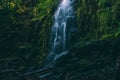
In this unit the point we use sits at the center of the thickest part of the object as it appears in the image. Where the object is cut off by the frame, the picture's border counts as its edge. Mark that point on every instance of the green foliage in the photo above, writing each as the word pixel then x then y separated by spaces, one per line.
pixel 97 18
pixel 25 28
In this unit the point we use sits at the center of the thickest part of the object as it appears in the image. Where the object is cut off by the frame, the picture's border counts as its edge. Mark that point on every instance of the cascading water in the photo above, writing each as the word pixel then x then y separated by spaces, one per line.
pixel 60 34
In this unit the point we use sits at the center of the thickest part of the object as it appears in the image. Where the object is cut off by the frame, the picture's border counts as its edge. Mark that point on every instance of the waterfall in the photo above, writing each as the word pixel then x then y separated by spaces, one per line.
pixel 60 32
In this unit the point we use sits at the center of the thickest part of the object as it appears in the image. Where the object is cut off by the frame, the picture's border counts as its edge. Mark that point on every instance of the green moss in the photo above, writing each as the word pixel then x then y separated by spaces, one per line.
pixel 86 62
pixel 25 30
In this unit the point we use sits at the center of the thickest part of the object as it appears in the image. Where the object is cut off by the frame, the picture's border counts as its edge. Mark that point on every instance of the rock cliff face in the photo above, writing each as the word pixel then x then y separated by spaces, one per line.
pixel 97 18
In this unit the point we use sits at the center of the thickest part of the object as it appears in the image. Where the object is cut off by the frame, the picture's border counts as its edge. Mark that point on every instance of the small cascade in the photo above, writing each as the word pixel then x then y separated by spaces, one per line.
pixel 60 32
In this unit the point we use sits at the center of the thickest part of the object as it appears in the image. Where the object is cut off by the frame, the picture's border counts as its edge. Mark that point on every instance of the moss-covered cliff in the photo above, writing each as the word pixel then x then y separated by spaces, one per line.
pixel 25 32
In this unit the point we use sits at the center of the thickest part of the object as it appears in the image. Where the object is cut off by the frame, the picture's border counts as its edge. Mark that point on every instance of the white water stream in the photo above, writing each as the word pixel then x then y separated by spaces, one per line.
pixel 59 32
